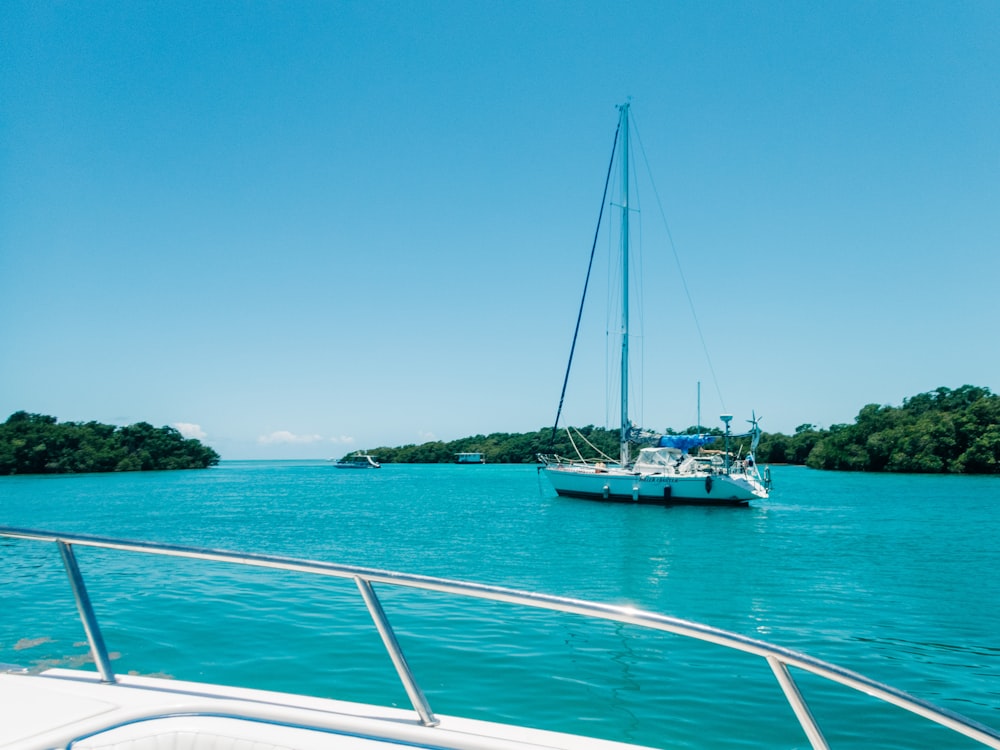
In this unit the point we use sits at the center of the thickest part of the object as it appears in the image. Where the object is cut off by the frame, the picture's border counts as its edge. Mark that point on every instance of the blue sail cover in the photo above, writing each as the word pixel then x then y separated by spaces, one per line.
pixel 684 442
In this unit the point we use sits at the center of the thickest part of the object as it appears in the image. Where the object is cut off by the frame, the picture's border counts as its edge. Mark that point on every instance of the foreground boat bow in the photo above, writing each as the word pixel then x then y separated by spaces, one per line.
pixel 82 709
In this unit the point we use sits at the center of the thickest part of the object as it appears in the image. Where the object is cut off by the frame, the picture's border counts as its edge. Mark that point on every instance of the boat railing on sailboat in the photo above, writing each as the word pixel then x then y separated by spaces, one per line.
pixel 780 660
pixel 597 458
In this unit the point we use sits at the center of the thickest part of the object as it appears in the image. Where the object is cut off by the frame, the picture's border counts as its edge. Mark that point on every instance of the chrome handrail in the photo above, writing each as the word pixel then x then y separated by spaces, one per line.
pixel 777 657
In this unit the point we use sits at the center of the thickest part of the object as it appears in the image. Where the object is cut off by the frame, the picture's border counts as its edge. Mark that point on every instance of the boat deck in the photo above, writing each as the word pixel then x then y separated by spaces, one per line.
pixel 69 708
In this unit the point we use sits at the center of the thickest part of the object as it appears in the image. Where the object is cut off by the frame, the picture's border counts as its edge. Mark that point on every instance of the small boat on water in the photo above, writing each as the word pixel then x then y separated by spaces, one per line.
pixel 82 709
pixel 359 460
pixel 470 458
pixel 664 471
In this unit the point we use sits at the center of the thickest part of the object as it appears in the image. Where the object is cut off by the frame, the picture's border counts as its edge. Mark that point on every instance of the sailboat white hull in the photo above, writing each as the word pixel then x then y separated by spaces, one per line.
pixel 702 488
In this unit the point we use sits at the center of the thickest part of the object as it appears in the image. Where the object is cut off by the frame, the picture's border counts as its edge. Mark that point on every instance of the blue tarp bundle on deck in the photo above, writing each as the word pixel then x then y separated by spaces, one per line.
pixel 684 442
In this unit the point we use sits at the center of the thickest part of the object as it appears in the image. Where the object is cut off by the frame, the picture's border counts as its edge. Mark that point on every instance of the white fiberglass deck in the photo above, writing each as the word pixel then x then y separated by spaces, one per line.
pixel 67 708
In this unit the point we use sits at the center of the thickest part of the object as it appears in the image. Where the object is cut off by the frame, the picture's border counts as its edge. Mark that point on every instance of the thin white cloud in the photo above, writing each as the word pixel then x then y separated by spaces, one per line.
pixel 426 437
pixel 189 430
pixel 284 436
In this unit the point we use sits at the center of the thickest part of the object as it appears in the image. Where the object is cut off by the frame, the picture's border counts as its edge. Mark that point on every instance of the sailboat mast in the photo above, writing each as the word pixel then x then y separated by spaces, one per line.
pixel 623 440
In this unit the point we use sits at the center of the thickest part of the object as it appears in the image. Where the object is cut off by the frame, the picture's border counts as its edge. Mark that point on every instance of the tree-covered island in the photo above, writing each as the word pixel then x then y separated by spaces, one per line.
pixel 39 444
pixel 943 431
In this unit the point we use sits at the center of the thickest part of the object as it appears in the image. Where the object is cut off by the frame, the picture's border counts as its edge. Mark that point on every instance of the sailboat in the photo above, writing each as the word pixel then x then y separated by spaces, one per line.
pixel 664 471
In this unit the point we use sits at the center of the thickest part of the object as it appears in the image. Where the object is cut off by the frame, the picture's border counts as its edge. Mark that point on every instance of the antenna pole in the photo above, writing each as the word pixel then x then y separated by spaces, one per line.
pixel 699 408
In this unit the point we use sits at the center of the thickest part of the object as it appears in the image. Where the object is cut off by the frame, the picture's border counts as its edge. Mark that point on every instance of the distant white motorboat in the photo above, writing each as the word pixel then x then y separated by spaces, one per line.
pixel 359 460
pixel 470 458
pixel 664 472
pixel 82 709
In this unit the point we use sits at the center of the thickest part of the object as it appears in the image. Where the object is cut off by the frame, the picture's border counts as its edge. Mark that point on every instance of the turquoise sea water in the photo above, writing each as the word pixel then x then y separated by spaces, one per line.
pixel 896 577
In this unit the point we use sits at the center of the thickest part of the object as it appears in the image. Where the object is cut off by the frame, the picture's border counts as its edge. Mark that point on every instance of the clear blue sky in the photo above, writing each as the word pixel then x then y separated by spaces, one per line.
pixel 300 228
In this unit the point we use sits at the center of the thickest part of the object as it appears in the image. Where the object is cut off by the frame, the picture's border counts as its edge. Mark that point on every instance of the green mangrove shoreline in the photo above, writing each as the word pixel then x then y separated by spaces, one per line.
pixel 39 444
pixel 942 431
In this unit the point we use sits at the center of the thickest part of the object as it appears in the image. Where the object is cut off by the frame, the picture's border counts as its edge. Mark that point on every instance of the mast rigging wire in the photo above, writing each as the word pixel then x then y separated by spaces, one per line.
pixel 680 270
pixel 586 283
